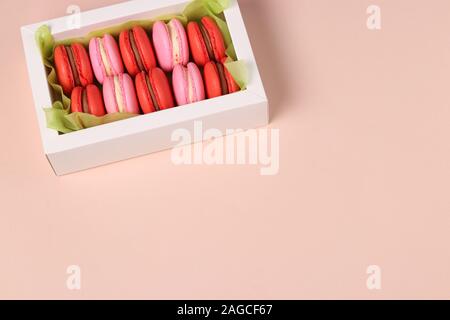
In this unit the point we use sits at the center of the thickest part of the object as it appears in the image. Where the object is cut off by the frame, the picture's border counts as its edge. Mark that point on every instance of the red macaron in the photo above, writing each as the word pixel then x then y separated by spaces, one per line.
pixel 137 51
pixel 88 100
pixel 73 67
pixel 218 81
pixel 206 41
pixel 154 91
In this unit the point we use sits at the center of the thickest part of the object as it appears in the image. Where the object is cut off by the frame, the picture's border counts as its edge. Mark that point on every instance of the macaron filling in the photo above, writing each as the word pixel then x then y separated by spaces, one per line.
pixel 207 40
pixel 152 93
pixel 223 79
pixel 104 56
pixel 118 90
pixel 73 66
pixel 176 43
pixel 84 101
pixel 135 49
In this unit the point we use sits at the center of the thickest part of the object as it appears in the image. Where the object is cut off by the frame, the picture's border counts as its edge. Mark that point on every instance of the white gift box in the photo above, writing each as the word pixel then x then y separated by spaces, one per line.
pixel 88 148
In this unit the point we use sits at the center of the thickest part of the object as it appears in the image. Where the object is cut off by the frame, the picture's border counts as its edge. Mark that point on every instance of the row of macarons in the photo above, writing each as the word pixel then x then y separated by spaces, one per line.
pixel 76 68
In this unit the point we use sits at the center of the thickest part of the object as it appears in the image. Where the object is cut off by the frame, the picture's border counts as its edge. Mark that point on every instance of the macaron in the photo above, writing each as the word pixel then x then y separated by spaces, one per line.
pixel 218 80
pixel 105 57
pixel 73 67
pixel 206 41
pixel 154 91
pixel 87 100
pixel 171 44
pixel 188 84
pixel 137 51
pixel 119 94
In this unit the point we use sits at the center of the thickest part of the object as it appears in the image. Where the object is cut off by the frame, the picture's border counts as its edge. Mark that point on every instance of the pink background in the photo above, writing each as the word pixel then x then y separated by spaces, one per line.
pixel 364 178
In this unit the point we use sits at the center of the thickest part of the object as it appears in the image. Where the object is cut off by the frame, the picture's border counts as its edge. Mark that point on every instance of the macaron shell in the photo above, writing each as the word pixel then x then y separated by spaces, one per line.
pixel 127 53
pixel 109 95
pixel 96 60
pixel 76 105
pixel 185 80
pixel 63 70
pixel 196 82
pixel 83 64
pixel 126 90
pixel 183 43
pixel 95 101
pixel 212 81
pixel 129 94
pixel 143 94
pixel 217 41
pixel 180 84
pixel 113 53
pixel 161 88
pixel 163 45
pixel 145 47
pixel 232 85
pixel 197 44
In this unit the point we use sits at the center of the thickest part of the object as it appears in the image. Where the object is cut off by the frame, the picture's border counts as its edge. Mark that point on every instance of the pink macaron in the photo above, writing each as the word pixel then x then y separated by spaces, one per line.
pixel 105 57
pixel 188 84
pixel 171 44
pixel 119 94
